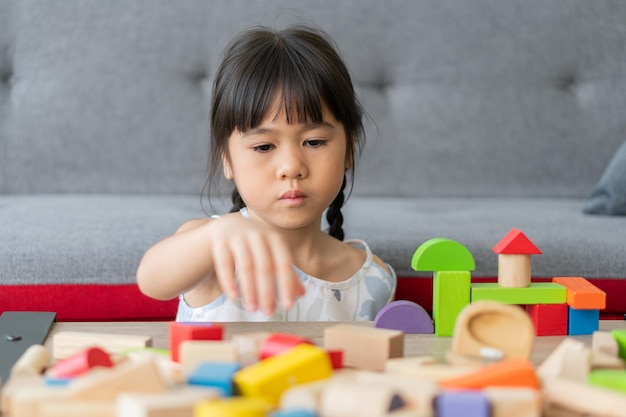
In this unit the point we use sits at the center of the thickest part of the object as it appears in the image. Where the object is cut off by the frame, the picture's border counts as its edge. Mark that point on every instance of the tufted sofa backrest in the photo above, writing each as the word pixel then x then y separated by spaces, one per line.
pixel 467 97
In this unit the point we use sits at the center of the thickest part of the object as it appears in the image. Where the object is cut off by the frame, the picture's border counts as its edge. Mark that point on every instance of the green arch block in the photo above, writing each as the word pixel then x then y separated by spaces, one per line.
pixel 441 254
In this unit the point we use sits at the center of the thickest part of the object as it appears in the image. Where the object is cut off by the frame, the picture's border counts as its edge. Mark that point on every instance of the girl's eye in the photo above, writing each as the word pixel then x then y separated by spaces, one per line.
pixel 315 143
pixel 263 148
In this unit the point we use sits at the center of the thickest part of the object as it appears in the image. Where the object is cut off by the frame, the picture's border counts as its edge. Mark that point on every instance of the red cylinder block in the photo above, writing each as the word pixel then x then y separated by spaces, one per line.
pixel 82 362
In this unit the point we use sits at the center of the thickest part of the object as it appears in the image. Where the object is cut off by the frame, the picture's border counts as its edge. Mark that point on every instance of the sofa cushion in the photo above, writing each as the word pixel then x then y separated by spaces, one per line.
pixel 609 195
pixel 100 239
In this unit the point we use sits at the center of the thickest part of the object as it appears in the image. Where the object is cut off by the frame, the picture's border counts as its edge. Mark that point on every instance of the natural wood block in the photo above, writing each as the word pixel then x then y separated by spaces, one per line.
pixel 14 385
pixel 77 409
pixel 514 271
pixel 604 342
pixel 66 344
pixel 33 361
pixel 486 325
pixel 549 319
pixel 451 294
pixel 308 396
pixel 338 400
pixel 555 365
pixel 582 294
pixel 106 384
pixel 178 402
pixel 248 346
pixel 514 402
pixel 180 331
pixel 416 393
pixel 193 352
pixel 27 401
pixel 364 347
pixel 426 368
pixel 583 399
pixel 536 293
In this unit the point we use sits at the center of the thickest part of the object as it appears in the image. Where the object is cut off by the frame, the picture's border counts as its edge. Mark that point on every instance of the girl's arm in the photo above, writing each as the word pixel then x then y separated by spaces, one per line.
pixel 204 253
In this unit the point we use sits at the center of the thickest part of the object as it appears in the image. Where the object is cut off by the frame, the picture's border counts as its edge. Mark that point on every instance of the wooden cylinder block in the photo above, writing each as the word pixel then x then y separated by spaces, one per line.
pixel 514 271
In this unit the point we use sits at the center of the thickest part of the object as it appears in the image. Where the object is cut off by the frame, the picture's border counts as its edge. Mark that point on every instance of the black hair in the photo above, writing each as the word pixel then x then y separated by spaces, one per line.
pixel 301 64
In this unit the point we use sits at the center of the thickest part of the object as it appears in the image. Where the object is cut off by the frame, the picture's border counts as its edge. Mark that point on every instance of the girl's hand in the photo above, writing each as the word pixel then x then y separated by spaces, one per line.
pixel 261 260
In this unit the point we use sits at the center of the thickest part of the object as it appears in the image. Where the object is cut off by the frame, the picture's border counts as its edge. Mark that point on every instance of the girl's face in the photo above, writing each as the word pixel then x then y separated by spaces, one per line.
pixel 288 174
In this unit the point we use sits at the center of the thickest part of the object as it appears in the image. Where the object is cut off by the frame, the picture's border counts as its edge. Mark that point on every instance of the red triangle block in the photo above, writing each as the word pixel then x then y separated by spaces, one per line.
pixel 516 243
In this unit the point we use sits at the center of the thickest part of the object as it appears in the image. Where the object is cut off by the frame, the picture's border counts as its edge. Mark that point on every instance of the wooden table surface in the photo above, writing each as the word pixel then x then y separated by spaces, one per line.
pixel 414 344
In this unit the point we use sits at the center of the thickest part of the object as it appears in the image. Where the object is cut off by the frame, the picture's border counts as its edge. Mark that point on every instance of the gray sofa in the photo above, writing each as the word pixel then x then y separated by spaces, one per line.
pixel 484 115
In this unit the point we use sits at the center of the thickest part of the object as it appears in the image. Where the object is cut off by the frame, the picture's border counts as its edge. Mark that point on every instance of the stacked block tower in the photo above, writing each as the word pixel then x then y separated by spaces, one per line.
pixel 565 306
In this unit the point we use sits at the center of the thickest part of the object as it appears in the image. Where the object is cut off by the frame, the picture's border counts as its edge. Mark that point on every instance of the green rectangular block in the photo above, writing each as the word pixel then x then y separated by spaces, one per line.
pixel 620 338
pixel 537 293
pixel 451 294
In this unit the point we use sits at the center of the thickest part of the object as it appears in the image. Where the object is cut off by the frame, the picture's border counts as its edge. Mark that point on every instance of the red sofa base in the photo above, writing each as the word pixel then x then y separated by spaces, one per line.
pixel 125 302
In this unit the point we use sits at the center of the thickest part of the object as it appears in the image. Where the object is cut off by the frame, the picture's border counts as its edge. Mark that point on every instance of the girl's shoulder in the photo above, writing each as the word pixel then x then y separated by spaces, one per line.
pixel 192 224
pixel 362 246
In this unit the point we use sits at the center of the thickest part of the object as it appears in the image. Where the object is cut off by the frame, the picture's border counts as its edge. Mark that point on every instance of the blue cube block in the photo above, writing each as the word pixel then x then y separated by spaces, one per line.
pixel 462 403
pixel 217 375
pixel 582 322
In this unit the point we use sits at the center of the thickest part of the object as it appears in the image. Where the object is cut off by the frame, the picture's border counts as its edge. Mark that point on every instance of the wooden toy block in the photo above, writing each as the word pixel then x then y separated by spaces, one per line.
pixel 487 325
pixel 338 400
pixel 82 362
pixel 364 347
pixel 218 375
pixel 451 294
pixel 507 373
pixel 549 319
pixel 605 352
pixel 26 402
pixel 233 407
pixel 77 409
pixel 441 254
pixel 33 362
pixel 620 338
pixel 336 358
pixel 582 294
pixel 564 356
pixel 514 271
pixel 66 344
pixel 271 377
pixel 180 331
pixel 514 402
pixel 426 368
pixel 404 315
pixel 248 346
pixel 192 353
pixel 418 394
pixel 604 342
pixel 13 386
pixel 179 402
pixel 278 343
pixel 608 378
pixel 516 243
pixel 583 322
pixel 536 293
pixel 462 403
pixel 583 399
pixel 307 396
pixel 106 384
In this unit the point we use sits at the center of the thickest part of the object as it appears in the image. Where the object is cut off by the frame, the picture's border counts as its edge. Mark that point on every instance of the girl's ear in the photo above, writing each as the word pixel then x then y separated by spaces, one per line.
pixel 228 171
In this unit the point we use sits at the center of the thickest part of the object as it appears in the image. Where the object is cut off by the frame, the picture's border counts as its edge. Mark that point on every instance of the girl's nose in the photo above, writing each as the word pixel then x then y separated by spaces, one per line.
pixel 292 165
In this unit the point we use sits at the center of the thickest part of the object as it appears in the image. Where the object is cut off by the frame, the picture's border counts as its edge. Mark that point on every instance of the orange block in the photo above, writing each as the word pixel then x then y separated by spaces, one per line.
pixel 506 373
pixel 582 294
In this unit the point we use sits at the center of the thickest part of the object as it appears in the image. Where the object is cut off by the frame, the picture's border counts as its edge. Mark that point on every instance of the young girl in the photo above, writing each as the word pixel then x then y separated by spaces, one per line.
pixel 286 128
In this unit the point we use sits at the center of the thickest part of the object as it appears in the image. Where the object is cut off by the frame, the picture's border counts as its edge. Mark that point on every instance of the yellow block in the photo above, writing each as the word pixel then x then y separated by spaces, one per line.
pixel 273 376
pixel 233 407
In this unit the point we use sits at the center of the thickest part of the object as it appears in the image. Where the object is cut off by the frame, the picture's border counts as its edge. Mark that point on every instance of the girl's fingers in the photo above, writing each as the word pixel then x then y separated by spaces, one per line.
pixel 289 285
pixel 224 265
pixel 265 273
pixel 245 271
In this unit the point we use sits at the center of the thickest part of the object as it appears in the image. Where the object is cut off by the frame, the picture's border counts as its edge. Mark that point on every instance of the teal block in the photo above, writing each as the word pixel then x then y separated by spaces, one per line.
pixel 451 294
pixel 217 375
pixel 581 322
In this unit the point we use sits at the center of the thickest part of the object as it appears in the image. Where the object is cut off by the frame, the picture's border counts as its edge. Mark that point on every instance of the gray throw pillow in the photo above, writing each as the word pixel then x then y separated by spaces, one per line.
pixel 609 195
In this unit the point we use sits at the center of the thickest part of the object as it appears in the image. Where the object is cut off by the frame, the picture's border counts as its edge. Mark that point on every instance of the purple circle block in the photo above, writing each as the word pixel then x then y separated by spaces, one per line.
pixel 404 315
